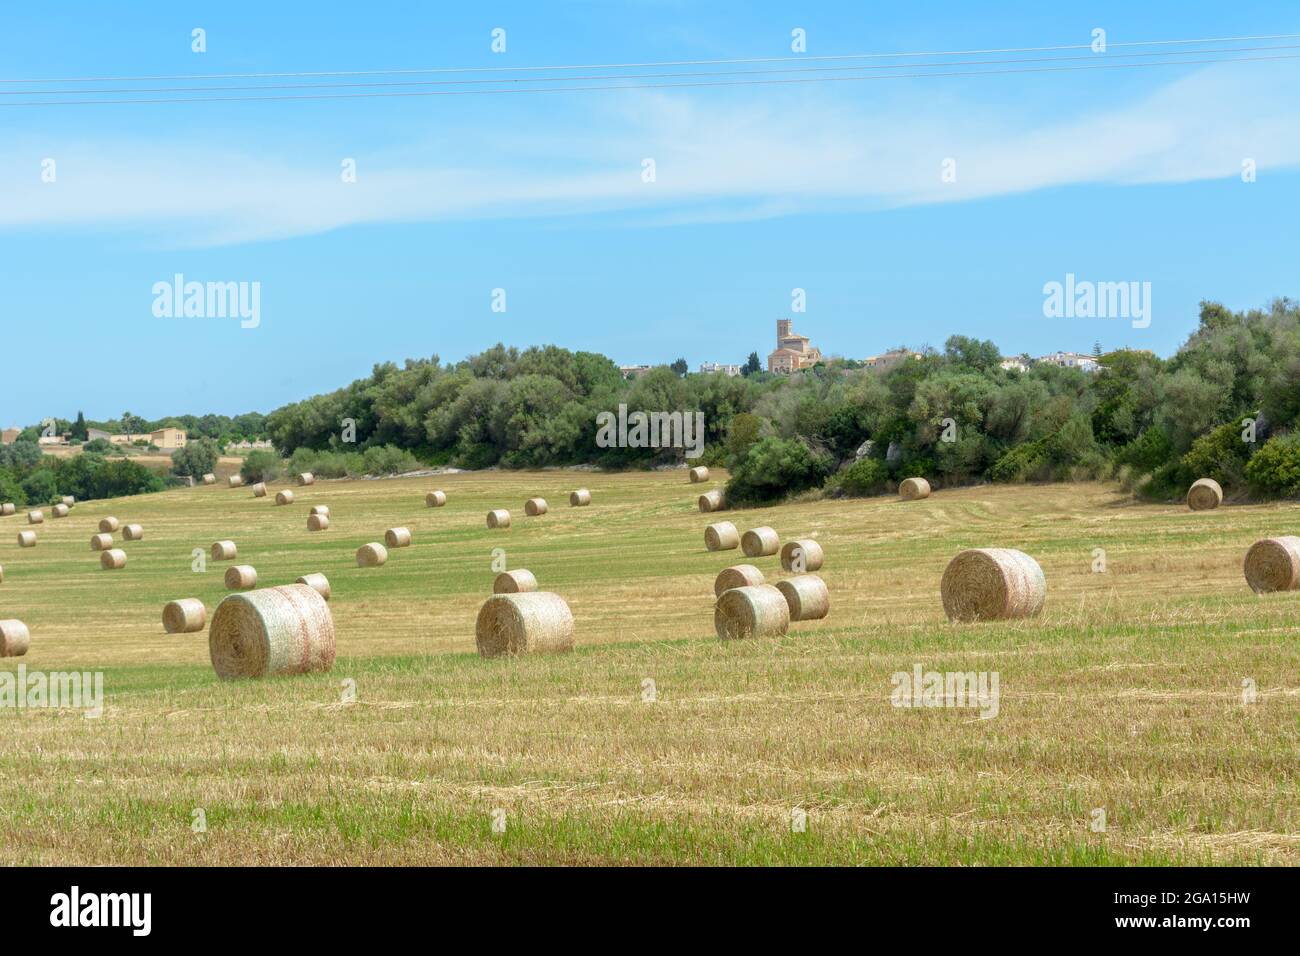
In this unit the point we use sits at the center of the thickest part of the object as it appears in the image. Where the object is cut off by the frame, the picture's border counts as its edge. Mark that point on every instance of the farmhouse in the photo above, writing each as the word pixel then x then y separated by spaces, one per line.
pixel 168 437
pixel 10 435
pixel 793 352
pixel 887 360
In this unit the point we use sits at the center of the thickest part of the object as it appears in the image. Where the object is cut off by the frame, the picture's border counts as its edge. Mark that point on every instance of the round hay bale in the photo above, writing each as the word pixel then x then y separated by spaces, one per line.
pixel 914 489
pixel 109 525
pixel 498 518
pixel 517 581
pixel 240 577
pixel 320 510
pixel 699 474
pixel 259 490
pixel 209 479
pixel 992 584
pixel 711 501
pixel 760 542
pixel 737 576
pixel 318 522
pixel 60 510
pixel 1204 495
pixel 397 537
pixel 722 536
pixel 371 555
pixel 35 517
pixel 756 610
pixel 101 542
pixel 15 639
pixel 69 500
pixel 184 616
pixel 306 478
pixel 114 559
pixel 284 497
pixel 1273 564
pixel 272 632
pixel 224 551
pixel 2 575
pixel 435 499
pixel 318 583
pixel 536 622
pixel 805 552
pixel 133 532
pixel 535 506
pixel 235 481
pixel 7 509
pixel 807 596
pixel 580 498
pixel 26 539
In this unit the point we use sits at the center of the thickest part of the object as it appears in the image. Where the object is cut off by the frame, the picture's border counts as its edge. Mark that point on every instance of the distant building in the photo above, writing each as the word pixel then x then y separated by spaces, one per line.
pixel 707 368
pixel 50 440
pixel 168 437
pixel 1079 360
pixel 98 434
pixel 1014 364
pixel 793 352
pixel 10 435
pixel 887 360
pixel 632 371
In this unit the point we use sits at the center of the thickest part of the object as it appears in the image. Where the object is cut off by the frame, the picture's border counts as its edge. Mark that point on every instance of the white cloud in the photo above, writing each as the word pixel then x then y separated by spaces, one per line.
pixel 763 154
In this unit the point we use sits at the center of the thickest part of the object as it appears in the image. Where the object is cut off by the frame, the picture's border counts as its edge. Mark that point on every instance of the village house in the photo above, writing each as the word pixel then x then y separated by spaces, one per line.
pixel 707 368
pixel 793 352
pixel 10 435
pixel 887 360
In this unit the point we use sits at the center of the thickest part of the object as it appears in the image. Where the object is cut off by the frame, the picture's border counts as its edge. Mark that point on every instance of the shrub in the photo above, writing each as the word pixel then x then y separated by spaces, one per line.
pixel 1220 454
pixel 262 466
pixel 40 487
pixel 100 446
pixel 1275 468
pixel 775 468
pixel 1147 452
pixel 196 459
pixel 866 477
pixel 390 460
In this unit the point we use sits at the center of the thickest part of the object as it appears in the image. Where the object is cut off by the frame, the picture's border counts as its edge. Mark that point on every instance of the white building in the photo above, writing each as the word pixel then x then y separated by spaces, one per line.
pixel 1079 360
pixel 1016 364
pixel 632 371
pixel 710 367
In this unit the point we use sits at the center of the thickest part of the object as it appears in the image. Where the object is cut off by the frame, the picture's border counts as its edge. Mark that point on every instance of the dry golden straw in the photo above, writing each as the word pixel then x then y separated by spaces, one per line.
pixel 259 490
pixel 35 517
pixel 240 577
pixel 580 498
pixel 284 497
pixel 318 583
pixel 184 616
pixel 2 575
pixel 435 499
pixel 114 559
pixel 992 584
pixel 69 500
pixel 318 522
pixel 722 536
pixel 498 518
pixel 60 510
pixel 209 479
pixel 7 509
pixel 1273 564
pixel 101 542
pixel 535 506
pixel 802 554
pixel 14 638
pixel 26 539
pixel 914 488
pixel 371 555
pixel 807 596
pixel 224 551
pixel 109 525
pixel 760 542
pixel 699 474
pixel 514 582
pixel 272 632
pixel 320 510
pixel 133 532
pixel 397 537
pixel 234 481
pixel 756 610
pixel 1204 495
pixel 536 622
pixel 711 501
pixel 738 576
pixel 306 478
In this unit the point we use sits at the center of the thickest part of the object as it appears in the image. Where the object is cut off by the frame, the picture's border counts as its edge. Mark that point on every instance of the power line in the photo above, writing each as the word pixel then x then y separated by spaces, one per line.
pixel 646 65
pixel 634 76
pixel 640 86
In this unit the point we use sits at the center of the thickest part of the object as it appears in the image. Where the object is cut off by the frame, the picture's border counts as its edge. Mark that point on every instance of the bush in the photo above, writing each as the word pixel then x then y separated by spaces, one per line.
pixel 40 487
pixel 775 468
pixel 866 477
pixel 1147 452
pixel 100 446
pixel 11 490
pixel 1275 468
pixel 196 459
pixel 262 466
pixel 390 460
pixel 1220 454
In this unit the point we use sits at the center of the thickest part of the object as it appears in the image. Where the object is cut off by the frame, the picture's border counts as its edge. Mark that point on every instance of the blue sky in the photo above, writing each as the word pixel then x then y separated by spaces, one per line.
pixel 1113 175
